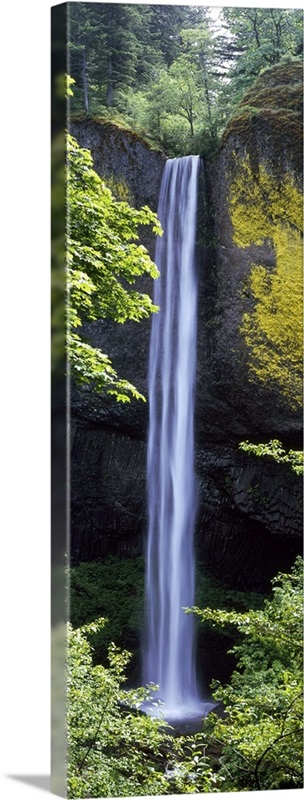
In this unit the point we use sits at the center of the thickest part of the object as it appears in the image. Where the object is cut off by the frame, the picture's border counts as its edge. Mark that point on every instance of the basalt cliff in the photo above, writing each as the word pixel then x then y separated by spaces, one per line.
pixel 249 520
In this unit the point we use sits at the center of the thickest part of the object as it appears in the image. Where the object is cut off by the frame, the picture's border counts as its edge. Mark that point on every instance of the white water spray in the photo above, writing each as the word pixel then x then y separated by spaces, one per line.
pixel 169 658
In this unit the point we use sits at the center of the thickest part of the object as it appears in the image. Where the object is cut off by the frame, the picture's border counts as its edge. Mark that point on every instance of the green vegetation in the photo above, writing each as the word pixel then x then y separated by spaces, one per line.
pixel 96 589
pixel 259 740
pixel 112 749
pixel 115 750
pixel 166 73
pixel 275 450
pixel 172 72
pixel 263 209
pixel 103 261
pixel 260 38
pixel 272 106
pixel 58 255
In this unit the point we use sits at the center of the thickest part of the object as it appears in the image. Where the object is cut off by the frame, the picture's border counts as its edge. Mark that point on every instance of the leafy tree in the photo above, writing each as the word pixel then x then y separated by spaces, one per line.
pixel 259 38
pixel 134 110
pixel 103 261
pixel 200 51
pixel 121 54
pixel 182 99
pixel 58 256
pixel 113 748
pixel 174 94
pixel 258 743
pixel 162 108
pixel 177 107
pixel 96 589
pixel 128 58
pixel 183 82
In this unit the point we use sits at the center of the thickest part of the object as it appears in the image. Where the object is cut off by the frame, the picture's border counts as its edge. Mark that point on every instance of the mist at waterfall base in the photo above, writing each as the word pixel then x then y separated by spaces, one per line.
pixel 169 650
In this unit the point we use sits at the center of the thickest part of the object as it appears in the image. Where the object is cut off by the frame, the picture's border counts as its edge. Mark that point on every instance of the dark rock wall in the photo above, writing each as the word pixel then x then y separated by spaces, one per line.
pixel 109 489
pixel 108 439
pixel 121 155
pixel 233 399
pixel 249 509
pixel 249 516
pixel 269 142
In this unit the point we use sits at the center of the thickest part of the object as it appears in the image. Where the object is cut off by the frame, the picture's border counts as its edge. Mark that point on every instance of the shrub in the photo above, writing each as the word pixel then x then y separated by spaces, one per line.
pixel 259 740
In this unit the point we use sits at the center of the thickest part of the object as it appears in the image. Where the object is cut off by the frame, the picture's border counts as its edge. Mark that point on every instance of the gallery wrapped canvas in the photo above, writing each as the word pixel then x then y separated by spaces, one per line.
pixel 176 399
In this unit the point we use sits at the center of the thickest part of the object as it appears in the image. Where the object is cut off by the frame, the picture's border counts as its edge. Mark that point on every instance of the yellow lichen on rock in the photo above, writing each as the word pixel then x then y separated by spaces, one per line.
pixel 264 209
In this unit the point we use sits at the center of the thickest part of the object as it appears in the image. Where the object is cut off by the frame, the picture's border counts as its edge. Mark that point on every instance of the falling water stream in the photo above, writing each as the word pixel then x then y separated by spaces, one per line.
pixel 169 658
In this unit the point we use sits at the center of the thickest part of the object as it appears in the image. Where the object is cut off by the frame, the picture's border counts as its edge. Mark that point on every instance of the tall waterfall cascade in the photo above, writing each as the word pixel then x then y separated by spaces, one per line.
pixel 169 657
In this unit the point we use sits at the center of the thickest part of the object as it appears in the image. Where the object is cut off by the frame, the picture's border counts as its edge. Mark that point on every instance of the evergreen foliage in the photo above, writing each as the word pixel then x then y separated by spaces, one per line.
pixel 172 71
pixel 258 38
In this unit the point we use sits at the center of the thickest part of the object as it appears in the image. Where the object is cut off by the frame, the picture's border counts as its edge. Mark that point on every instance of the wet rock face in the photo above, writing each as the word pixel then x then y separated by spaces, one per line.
pixel 121 155
pixel 249 516
pixel 249 509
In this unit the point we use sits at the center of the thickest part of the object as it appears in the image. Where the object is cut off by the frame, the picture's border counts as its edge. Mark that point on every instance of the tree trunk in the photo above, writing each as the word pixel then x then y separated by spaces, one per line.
pixel 188 115
pixel 158 125
pixel 110 83
pixel 207 95
pixel 191 123
pixel 85 81
pixel 255 28
pixel 277 42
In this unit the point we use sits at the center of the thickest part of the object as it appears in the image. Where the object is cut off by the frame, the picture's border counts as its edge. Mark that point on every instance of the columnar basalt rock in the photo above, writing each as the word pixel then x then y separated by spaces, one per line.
pixel 249 518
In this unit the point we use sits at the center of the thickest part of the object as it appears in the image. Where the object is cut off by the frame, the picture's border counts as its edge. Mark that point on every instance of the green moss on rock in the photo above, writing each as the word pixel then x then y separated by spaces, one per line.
pixel 264 209
pixel 116 126
pixel 272 111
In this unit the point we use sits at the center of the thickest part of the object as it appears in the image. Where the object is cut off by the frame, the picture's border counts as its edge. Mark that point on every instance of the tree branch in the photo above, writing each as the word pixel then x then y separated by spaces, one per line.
pixel 296 731
pixel 80 767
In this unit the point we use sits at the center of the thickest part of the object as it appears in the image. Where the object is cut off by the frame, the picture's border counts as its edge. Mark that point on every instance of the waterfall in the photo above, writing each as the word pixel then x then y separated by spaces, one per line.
pixel 169 658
